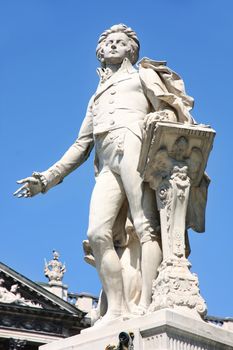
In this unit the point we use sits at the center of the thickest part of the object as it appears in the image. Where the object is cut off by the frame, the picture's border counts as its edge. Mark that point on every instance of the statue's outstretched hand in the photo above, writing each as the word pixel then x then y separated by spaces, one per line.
pixel 31 187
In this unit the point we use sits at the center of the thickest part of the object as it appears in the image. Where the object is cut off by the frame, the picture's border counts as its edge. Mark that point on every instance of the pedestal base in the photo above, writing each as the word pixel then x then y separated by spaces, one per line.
pixel 176 287
pixel 163 330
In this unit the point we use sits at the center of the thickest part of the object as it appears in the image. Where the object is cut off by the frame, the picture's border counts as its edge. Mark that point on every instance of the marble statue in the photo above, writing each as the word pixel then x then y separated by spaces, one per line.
pixel 54 269
pixel 124 234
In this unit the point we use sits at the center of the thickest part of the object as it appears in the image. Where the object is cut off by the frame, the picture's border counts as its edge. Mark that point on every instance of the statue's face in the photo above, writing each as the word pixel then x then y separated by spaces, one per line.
pixel 116 48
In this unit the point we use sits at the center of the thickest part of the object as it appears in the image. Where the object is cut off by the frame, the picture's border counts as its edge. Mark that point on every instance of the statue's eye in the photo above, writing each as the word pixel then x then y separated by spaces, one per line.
pixel 121 42
pixel 109 42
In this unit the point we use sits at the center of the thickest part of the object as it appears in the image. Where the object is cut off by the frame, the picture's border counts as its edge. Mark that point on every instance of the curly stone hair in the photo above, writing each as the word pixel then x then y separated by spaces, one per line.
pixel 119 28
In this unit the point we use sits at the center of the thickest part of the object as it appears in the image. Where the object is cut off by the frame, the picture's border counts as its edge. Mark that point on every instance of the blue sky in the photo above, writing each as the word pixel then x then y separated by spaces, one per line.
pixel 47 75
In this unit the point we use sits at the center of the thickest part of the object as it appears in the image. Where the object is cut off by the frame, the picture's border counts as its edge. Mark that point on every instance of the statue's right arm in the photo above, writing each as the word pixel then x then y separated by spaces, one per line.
pixel 72 159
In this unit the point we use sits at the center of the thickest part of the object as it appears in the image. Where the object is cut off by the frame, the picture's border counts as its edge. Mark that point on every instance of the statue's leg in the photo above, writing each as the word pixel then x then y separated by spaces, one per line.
pixel 107 198
pixel 143 208
pixel 151 259
pixel 151 244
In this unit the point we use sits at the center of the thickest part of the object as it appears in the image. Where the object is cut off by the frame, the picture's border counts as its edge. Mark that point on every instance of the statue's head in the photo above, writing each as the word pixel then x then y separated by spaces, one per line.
pixel 117 43
pixel 55 255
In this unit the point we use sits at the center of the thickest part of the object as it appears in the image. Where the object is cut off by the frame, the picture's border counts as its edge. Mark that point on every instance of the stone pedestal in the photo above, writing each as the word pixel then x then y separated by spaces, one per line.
pixel 162 330
pixel 59 289
pixel 173 160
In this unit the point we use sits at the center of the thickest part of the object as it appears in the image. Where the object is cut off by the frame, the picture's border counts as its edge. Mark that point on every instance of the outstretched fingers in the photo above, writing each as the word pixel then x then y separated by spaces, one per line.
pixel 24 194
pixel 23 191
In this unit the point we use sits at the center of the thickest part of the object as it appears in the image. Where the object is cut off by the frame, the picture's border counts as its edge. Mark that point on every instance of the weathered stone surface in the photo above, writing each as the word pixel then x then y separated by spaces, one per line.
pixel 162 330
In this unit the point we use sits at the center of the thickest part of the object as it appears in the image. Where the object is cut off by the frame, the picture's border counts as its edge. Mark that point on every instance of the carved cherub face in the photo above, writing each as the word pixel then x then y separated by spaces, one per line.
pixel 116 47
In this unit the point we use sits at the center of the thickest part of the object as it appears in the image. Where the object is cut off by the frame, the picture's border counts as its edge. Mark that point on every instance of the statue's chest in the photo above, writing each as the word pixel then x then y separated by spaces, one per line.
pixel 126 88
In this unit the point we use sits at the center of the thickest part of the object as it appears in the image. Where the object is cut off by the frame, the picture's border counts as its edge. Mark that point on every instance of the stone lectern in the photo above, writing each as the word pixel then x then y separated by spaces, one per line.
pixel 173 161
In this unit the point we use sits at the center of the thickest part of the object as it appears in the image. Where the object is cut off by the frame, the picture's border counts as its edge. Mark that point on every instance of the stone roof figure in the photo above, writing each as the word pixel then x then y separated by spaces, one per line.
pixel 54 270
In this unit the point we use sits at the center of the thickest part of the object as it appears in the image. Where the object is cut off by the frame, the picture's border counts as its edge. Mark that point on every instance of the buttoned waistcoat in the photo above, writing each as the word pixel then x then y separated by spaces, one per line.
pixel 122 100
pixel 119 102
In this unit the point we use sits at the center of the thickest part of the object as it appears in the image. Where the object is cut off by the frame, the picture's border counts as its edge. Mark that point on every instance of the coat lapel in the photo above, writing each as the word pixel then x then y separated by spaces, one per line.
pixel 124 73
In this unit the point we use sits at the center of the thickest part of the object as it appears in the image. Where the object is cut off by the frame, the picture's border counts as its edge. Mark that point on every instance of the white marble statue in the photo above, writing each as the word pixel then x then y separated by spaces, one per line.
pixel 54 270
pixel 124 226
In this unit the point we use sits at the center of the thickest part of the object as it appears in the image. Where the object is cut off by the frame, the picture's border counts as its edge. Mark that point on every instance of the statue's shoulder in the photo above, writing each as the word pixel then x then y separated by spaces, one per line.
pixel 158 67
pixel 156 73
pixel 150 71
pixel 146 62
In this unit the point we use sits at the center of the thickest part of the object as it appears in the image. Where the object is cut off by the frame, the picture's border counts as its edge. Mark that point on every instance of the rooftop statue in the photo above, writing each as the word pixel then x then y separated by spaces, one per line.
pixel 129 107
pixel 54 270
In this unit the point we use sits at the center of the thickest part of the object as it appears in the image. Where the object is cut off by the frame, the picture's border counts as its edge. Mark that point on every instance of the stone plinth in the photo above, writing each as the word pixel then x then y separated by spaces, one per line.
pixel 162 330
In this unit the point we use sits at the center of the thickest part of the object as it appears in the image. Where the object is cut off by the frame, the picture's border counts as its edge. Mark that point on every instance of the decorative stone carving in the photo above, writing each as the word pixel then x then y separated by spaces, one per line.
pixel 12 296
pixel 177 287
pixel 54 270
pixel 174 166
pixel 23 322
pixel 17 344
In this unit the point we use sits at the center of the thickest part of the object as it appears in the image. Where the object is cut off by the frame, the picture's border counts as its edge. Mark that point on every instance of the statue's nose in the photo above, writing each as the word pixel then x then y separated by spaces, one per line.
pixel 113 46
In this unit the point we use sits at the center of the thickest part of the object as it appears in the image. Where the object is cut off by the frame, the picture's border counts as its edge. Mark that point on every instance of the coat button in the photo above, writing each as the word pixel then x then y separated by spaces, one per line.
pixel 112 92
pixel 111 101
pixel 95 113
pixel 112 122
pixel 111 111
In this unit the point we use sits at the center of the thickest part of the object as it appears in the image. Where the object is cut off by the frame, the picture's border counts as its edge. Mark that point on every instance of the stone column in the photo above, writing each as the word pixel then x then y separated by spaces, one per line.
pixel 175 286
pixel 172 199
pixel 173 162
